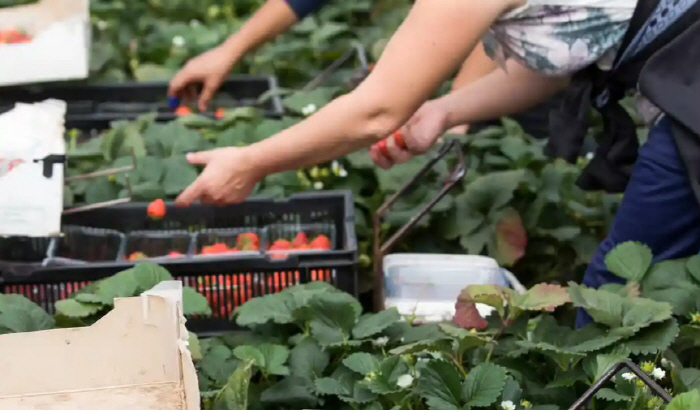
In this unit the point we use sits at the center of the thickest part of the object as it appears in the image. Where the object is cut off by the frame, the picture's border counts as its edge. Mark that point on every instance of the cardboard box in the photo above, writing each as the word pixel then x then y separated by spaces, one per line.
pixel 135 357
pixel 31 136
pixel 60 45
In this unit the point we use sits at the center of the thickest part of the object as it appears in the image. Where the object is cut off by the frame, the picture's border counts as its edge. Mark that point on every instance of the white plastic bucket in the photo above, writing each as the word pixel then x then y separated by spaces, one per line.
pixel 426 286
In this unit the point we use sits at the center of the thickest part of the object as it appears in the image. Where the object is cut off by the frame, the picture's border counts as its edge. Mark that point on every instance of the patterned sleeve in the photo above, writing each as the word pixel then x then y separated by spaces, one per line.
pixel 302 8
pixel 556 39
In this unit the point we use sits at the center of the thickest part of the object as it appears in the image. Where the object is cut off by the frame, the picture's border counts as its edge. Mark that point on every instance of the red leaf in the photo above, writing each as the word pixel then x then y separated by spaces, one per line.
pixel 511 238
pixel 467 316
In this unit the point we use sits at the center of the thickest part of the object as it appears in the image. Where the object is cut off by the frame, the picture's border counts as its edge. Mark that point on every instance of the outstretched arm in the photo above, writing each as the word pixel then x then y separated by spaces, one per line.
pixel 435 38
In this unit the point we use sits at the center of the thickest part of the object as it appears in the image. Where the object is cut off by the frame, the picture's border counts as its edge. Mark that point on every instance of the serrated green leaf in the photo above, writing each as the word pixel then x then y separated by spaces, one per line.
pixel 307 360
pixel 375 323
pixel 605 362
pixel 194 303
pixel 440 385
pixel 542 297
pixel 148 275
pixel 346 386
pixel 290 391
pixel 387 375
pixel 193 346
pixel 268 357
pixel 693 267
pixel 511 390
pixel 609 394
pixel 73 308
pixel 655 338
pixel 685 401
pixel 235 393
pixel 217 364
pixel 333 318
pixel 88 298
pixel 483 385
pixel 122 284
pixel 604 307
pixel 690 379
pixel 434 345
pixel 362 363
pixel 629 260
pixel 19 314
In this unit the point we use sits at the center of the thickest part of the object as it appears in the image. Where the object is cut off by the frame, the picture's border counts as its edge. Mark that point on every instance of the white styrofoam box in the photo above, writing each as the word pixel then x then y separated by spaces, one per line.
pixel 427 285
pixel 30 203
pixel 60 46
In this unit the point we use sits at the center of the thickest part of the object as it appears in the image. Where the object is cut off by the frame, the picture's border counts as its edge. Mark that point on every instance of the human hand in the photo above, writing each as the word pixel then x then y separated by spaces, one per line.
pixel 228 177
pixel 208 69
pixel 414 138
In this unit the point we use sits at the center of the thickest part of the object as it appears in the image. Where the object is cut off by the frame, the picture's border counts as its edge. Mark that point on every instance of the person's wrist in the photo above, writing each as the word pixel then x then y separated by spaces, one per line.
pixel 233 50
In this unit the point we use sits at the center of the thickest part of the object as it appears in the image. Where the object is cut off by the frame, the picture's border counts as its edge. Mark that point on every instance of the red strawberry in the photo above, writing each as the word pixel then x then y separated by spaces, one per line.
pixel 156 209
pixel 320 242
pixel 299 240
pixel 182 111
pixel 219 113
pixel 175 254
pixel 214 249
pixel 248 241
pixel 137 256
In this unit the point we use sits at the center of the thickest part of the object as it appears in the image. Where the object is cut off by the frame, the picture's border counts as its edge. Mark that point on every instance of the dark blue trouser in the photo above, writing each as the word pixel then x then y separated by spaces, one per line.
pixel 658 209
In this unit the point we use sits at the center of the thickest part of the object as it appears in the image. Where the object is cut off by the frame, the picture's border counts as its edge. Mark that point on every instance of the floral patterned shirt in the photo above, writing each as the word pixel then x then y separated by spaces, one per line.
pixel 561 36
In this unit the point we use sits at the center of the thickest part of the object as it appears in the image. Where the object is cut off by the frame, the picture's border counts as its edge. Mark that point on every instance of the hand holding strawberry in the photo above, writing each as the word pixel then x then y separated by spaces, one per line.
pixel 414 138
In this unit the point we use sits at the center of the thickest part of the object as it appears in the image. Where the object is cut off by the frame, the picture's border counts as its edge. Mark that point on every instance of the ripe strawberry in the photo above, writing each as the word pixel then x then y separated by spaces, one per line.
pixel 214 249
pixel 175 254
pixel 320 242
pixel 182 111
pixel 156 209
pixel 300 240
pixel 137 256
pixel 281 244
pixel 219 113
pixel 248 241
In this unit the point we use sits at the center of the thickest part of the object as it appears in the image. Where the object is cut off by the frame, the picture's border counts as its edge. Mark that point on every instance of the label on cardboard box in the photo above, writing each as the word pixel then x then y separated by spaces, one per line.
pixel 31 203
pixel 59 48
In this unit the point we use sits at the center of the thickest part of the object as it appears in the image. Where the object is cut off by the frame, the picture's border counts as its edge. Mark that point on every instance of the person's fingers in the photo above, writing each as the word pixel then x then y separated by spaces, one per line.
pixel 208 90
pixel 200 158
pixel 178 83
pixel 193 192
pixel 396 153
pixel 190 93
pixel 378 158
pixel 399 140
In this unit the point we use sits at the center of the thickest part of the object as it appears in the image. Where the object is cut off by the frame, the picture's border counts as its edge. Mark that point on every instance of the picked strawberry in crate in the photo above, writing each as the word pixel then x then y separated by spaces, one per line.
pixel 294 238
pixel 227 241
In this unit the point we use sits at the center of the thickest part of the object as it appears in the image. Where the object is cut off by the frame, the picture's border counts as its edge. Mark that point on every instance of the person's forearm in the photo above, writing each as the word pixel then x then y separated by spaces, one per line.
pixel 477 65
pixel 500 93
pixel 272 19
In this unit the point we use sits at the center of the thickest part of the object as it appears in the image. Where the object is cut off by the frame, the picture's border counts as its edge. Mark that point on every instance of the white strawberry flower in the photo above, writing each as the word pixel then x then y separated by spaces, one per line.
pixel 404 381
pixel 658 373
pixel 101 24
pixel 178 41
pixel 318 185
pixel 309 109
pixel 507 405
pixel 628 376
pixel 381 341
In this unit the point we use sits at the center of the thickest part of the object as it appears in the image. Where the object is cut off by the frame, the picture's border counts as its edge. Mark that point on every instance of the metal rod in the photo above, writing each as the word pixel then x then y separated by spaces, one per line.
pixel 323 76
pixel 378 249
pixel 583 400
pixel 105 172
pixel 96 205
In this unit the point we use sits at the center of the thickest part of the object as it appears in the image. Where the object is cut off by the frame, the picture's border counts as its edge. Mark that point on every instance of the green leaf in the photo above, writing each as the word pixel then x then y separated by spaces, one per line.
pixel 347 386
pixel 541 297
pixel 76 309
pixel 685 401
pixel 387 376
pixel 374 323
pixel 333 318
pixel 194 347
pixel 268 357
pixel 493 190
pixel 629 260
pixel 307 360
pixel 194 303
pixel 235 393
pixel 693 266
pixel 604 307
pixel 440 385
pixel 19 314
pixel 300 99
pixel 217 364
pixel 178 175
pixel 605 362
pixel 483 385
pixel 290 391
pixel 122 284
pixel 148 275
pixel 655 338
pixel 608 394
pixel 362 363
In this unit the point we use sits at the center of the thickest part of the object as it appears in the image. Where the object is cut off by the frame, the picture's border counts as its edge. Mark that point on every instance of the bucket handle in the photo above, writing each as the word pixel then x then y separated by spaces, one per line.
pixel 380 249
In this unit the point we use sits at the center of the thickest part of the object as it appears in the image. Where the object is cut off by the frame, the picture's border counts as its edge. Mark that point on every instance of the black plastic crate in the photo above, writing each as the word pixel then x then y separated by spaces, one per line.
pixel 226 280
pixel 94 106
